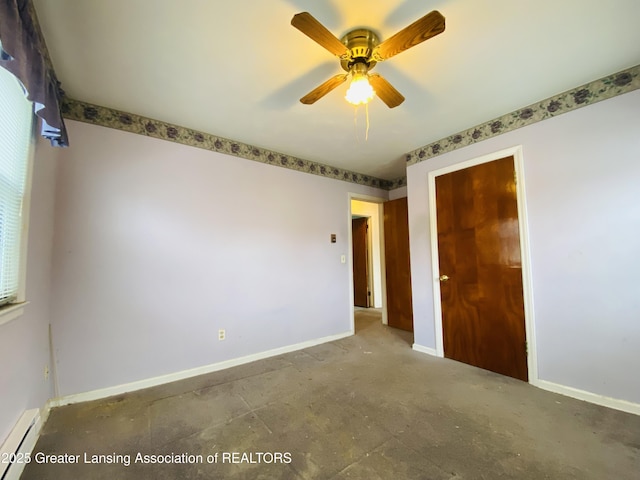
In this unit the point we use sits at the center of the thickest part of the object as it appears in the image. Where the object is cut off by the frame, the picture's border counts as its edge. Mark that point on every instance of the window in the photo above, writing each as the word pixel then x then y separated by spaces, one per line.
pixel 16 122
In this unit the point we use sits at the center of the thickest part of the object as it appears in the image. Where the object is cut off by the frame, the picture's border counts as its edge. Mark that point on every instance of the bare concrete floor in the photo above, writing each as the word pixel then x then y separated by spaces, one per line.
pixel 365 407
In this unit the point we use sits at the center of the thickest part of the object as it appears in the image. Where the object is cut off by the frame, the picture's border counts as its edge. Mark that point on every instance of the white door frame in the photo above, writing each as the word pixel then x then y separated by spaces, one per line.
pixel 379 201
pixel 527 288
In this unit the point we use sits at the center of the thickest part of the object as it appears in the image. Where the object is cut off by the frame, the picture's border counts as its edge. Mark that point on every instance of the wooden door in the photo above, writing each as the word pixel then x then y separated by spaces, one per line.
pixel 480 268
pixel 398 265
pixel 360 271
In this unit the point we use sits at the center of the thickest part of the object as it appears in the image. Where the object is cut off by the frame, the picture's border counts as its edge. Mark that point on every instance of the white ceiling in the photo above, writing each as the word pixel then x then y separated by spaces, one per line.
pixel 236 69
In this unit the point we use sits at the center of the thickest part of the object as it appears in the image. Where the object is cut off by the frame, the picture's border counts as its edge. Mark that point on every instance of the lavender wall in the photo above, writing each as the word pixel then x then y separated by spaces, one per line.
pixel 24 342
pixel 159 245
pixel 582 178
pixel 398 193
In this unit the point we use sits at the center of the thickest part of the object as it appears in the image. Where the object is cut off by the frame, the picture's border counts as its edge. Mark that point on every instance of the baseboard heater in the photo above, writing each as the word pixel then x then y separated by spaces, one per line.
pixel 18 444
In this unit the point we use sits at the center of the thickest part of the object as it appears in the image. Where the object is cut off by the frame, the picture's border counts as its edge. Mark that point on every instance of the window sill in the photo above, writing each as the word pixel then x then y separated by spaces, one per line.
pixel 11 312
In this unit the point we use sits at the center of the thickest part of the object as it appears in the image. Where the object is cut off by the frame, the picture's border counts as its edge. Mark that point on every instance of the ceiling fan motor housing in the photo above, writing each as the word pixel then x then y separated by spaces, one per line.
pixel 360 43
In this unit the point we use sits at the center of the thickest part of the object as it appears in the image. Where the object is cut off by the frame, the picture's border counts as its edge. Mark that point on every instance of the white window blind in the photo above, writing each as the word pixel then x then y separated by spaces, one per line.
pixel 15 137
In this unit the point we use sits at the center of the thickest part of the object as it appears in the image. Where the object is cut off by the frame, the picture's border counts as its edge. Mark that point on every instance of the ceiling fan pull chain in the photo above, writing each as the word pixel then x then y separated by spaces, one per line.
pixel 366 135
pixel 355 122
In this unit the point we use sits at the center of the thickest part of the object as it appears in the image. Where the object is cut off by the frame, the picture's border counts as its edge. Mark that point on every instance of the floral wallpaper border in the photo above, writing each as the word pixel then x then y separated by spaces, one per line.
pixel 129 122
pixel 596 91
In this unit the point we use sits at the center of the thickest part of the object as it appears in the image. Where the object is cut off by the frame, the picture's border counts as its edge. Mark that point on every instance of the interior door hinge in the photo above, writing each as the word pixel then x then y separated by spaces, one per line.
pixel 526 348
pixel 515 177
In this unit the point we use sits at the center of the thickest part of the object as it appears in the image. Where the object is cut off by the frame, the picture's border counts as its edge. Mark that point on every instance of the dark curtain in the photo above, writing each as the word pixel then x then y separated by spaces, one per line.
pixel 24 53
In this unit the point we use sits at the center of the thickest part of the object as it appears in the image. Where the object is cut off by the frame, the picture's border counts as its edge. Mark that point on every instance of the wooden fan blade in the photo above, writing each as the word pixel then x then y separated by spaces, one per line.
pixel 317 32
pixel 387 93
pixel 317 93
pixel 428 26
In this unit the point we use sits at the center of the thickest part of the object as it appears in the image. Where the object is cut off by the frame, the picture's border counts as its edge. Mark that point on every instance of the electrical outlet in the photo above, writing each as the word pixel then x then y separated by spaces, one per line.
pixel 46 372
pixel 221 334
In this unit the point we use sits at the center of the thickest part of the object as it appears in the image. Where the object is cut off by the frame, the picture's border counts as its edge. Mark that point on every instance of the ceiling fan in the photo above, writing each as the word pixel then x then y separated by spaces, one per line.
pixel 359 51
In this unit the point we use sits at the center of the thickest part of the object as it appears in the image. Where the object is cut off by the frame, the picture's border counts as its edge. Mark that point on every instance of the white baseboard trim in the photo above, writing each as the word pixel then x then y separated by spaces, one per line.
pixel 194 372
pixel 423 349
pixel 21 441
pixel 590 397
pixel 614 403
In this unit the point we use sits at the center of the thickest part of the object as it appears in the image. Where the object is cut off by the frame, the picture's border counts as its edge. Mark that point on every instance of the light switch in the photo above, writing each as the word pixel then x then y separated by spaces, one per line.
pixel 343 259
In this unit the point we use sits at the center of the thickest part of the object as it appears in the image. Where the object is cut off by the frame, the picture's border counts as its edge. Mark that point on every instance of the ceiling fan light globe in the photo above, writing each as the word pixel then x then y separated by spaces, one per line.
pixel 360 91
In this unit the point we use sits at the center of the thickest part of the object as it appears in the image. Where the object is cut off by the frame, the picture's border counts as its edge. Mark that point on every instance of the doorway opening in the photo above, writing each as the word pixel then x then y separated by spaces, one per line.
pixel 380 285
pixel 367 284
pixel 367 253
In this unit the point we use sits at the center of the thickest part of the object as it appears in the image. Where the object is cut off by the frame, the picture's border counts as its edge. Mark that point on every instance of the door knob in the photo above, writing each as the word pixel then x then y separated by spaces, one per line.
pixel 444 278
